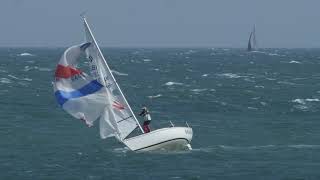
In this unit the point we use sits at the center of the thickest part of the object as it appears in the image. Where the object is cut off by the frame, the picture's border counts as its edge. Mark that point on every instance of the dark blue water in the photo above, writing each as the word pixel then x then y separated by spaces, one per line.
pixel 254 115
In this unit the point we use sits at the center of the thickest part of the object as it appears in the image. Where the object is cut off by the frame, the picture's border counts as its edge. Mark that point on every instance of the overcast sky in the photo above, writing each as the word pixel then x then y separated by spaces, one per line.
pixel 145 23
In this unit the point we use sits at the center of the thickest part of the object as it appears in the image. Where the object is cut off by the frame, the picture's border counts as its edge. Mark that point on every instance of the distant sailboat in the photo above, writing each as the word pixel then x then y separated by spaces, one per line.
pixel 97 96
pixel 252 43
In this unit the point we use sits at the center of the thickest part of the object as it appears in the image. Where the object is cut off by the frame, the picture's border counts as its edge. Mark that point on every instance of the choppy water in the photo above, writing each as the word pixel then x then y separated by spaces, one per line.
pixel 254 115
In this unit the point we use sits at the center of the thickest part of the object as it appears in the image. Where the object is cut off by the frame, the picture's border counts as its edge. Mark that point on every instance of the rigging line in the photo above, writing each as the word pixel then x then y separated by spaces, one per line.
pixel 124 119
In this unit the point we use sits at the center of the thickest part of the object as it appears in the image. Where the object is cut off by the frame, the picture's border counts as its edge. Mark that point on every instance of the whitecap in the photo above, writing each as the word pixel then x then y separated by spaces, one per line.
pixel 27 79
pixel 295 62
pixel 273 54
pixel 25 54
pixel 5 80
pixel 205 75
pixel 286 83
pixel 44 69
pixel 198 90
pixel 312 100
pixel 190 52
pixel 27 68
pixel 118 73
pixel 121 150
pixel 172 83
pixel 255 98
pixel 229 75
pixel 300 101
pixel 259 86
pixel 263 103
pixel 301 107
pixel 147 60
pixel 155 96
pixel 12 76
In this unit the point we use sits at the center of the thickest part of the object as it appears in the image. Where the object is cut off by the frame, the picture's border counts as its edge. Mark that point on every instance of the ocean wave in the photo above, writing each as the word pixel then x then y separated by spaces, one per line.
pixel 121 150
pixel 5 80
pixel 273 54
pixel 312 100
pixel 146 60
pixel 12 76
pixel 198 90
pixel 229 75
pixel 301 107
pixel 300 101
pixel 263 103
pixel 286 83
pixel 303 101
pixel 295 62
pixel 118 73
pixel 170 83
pixel 155 96
pixel 257 86
pixel 28 68
pixel 26 79
pixel 26 54
pixel 44 69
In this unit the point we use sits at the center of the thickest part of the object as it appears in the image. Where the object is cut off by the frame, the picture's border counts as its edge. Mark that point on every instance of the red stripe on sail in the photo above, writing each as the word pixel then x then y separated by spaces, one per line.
pixel 66 71
pixel 117 105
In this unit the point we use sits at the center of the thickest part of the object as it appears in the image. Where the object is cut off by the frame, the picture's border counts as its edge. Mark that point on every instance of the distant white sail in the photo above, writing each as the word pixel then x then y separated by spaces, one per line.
pixel 118 114
pixel 252 43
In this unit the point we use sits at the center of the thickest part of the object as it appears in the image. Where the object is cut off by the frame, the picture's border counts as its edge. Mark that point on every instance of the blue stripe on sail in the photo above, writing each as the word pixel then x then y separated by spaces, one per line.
pixel 92 87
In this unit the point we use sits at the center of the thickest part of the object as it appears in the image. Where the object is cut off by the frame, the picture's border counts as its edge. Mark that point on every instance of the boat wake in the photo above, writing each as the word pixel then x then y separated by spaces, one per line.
pixel 256 148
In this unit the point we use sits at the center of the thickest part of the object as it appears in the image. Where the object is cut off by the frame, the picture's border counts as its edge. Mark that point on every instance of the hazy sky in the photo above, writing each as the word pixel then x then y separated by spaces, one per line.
pixel 144 23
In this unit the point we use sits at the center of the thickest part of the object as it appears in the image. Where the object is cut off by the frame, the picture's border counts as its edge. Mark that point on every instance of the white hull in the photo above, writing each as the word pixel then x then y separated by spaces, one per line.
pixel 169 139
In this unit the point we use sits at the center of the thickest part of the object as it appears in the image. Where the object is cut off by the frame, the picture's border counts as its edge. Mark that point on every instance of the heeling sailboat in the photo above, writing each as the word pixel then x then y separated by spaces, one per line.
pixel 98 97
pixel 252 43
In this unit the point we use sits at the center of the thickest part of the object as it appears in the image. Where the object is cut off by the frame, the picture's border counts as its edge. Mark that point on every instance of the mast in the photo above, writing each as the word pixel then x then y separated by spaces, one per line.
pixel 105 62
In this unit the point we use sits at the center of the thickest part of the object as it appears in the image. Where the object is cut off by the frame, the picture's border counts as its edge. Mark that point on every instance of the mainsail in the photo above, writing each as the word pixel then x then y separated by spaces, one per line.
pixel 94 96
pixel 252 43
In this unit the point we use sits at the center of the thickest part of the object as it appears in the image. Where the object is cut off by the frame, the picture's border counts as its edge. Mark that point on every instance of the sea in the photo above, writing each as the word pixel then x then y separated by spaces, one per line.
pixel 255 115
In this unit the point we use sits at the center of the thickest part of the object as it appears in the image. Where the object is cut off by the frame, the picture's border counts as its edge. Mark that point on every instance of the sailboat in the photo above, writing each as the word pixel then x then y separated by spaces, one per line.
pixel 96 96
pixel 252 43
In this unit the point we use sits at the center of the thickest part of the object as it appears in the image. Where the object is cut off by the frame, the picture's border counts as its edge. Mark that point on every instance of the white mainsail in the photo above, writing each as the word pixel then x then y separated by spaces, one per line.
pixel 252 43
pixel 118 119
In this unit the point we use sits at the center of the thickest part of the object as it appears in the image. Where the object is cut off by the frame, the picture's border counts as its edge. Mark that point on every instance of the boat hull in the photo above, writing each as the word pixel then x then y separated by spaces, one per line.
pixel 166 139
